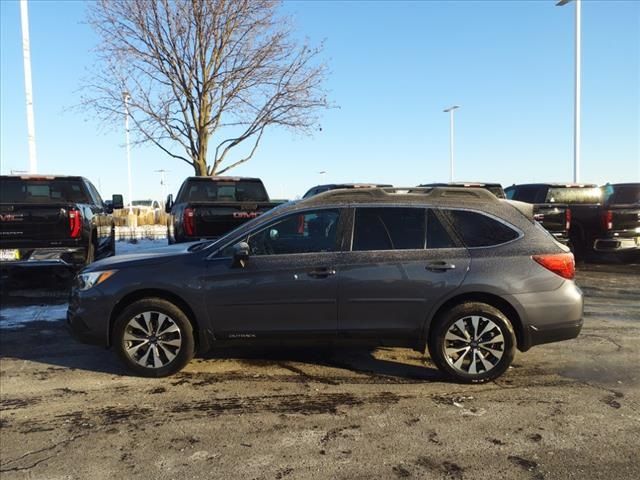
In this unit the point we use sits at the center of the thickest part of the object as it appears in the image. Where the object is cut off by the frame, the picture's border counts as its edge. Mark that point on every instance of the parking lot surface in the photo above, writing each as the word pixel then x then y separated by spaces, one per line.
pixel 565 410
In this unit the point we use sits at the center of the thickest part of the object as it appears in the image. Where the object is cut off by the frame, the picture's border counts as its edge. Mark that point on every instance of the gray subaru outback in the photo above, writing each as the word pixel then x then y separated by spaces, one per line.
pixel 456 271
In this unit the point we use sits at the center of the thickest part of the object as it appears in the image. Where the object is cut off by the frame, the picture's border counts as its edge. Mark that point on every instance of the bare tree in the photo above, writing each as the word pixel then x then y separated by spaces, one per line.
pixel 202 70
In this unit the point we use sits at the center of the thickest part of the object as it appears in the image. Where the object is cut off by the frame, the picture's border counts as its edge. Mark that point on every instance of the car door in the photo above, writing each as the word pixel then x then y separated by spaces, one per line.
pixel 288 286
pixel 401 262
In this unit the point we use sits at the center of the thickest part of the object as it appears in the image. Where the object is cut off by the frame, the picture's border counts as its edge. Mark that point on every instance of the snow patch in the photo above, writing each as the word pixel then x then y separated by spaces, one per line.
pixel 13 317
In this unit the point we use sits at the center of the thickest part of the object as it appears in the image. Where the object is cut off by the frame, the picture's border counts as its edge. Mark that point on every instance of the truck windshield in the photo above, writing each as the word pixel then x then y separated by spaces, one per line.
pixel 574 195
pixel 21 190
pixel 224 191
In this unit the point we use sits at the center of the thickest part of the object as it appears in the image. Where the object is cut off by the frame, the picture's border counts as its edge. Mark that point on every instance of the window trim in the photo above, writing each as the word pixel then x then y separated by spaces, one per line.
pixel 490 215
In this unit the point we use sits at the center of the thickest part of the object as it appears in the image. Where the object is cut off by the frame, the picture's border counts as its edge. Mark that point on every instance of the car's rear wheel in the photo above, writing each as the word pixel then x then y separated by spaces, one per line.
pixel 154 338
pixel 473 342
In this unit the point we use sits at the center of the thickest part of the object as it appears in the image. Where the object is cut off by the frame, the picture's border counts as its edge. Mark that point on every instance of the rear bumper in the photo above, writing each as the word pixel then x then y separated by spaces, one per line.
pixel 617 244
pixel 72 257
pixel 549 316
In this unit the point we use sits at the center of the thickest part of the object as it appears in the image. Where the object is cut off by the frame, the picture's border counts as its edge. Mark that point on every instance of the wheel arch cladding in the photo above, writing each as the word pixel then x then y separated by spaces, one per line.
pixel 170 297
pixel 490 299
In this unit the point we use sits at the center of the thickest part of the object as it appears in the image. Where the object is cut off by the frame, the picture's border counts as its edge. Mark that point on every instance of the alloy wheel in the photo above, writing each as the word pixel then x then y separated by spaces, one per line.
pixel 474 345
pixel 152 339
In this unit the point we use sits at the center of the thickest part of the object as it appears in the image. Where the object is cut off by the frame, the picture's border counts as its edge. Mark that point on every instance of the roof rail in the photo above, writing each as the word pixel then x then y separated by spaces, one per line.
pixel 429 192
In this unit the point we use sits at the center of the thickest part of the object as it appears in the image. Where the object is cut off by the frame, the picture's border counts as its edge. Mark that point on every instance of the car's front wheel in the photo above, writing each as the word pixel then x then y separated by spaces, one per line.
pixel 154 338
pixel 472 342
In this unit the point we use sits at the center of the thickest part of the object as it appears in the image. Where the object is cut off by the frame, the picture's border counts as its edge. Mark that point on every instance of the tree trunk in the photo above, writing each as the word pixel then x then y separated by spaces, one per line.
pixel 200 167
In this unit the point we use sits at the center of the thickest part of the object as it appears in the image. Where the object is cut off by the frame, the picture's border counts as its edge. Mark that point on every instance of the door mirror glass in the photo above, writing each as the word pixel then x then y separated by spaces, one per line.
pixel 273 234
pixel 240 254
pixel 117 202
pixel 169 203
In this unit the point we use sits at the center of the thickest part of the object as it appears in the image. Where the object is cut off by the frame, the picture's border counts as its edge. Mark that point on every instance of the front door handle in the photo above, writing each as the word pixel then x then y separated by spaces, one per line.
pixel 323 272
pixel 440 266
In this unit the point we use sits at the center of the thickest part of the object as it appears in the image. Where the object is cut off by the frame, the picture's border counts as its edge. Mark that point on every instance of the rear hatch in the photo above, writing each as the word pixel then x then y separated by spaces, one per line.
pixel 37 211
pixel 554 218
pixel 30 225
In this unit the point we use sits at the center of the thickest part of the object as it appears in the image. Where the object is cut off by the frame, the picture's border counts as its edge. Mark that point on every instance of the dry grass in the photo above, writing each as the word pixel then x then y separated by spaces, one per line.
pixel 144 216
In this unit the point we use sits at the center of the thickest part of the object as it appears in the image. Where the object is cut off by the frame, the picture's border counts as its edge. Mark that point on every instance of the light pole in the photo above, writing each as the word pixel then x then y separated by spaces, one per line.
pixel 451 132
pixel 126 97
pixel 163 182
pixel 577 90
pixel 28 87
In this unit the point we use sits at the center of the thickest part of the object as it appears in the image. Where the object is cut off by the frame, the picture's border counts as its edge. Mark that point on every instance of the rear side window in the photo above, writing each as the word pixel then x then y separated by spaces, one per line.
pixel 478 230
pixel 18 190
pixel 389 229
pixel 624 195
pixel 223 191
pixel 574 195
pixel 527 194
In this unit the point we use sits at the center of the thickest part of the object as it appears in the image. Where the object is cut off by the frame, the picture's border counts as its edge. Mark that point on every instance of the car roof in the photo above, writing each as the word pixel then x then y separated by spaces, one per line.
pixel 224 179
pixel 43 176
pixel 555 184
pixel 396 195
pixel 462 184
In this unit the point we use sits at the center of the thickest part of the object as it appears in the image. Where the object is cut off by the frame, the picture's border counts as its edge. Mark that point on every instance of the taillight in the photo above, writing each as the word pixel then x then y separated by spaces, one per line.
pixel 607 219
pixel 189 222
pixel 561 264
pixel 75 223
pixel 567 219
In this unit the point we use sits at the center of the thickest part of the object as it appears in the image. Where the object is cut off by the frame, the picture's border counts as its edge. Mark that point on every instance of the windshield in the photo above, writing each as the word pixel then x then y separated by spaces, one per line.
pixel 224 191
pixel 21 190
pixel 142 203
pixel 574 195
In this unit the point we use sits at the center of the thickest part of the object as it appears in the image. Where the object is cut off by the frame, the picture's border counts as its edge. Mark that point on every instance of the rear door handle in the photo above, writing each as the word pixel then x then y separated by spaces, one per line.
pixel 322 272
pixel 440 266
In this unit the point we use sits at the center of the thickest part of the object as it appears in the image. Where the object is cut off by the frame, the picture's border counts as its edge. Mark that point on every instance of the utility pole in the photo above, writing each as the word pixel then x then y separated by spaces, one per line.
pixel 28 86
pixel 450 111
pixel 126 97
pixel 577 93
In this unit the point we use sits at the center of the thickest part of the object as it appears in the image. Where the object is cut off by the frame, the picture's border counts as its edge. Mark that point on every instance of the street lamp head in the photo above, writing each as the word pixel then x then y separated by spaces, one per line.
pixel 453 107
pixel 125 96
pixel 561 3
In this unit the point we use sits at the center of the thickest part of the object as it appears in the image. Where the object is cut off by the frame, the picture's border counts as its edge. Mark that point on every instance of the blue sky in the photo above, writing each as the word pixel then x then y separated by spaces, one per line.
pixel 394 67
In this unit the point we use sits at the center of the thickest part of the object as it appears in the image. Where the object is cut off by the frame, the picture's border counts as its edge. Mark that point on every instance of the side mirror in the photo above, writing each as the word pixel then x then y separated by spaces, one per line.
pixel 240 255
pixel 168 205
pixel 117 202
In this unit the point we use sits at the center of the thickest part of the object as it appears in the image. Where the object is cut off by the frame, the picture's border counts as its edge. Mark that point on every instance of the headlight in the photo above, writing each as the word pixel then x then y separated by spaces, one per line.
pixel 85 281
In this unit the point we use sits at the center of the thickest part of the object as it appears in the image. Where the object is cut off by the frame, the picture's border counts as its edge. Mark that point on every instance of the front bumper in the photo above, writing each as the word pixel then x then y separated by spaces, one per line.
pixel 88 317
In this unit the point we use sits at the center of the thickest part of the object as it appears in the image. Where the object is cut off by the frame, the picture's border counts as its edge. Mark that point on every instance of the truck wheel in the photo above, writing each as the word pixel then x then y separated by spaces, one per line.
pixel 154 338
pixel 472 342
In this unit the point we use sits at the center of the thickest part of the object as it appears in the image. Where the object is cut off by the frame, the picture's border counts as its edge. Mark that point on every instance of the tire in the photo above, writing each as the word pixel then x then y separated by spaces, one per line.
pixel 489 358
pixel 153 355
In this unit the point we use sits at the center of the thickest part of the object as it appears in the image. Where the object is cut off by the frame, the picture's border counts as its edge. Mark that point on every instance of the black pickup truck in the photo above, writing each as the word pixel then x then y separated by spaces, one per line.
pixel 569 211
pixel 619 231
pixel 209 207
pixel 48 220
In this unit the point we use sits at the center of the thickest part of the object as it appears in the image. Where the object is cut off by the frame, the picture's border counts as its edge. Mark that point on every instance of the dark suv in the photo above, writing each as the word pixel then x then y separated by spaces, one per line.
pixel 458 270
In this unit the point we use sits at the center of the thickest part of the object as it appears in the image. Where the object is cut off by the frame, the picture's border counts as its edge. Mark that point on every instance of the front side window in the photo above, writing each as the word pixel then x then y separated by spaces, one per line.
pixel 303 232
pixel 389 229
pixel 478 230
